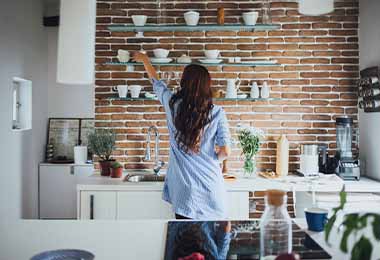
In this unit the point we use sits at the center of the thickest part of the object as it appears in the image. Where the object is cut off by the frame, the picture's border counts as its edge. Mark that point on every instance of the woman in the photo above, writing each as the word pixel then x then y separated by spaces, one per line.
pixel 194 183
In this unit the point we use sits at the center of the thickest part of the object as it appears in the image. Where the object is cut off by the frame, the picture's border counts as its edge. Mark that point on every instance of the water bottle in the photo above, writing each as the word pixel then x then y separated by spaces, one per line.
pixel 275 226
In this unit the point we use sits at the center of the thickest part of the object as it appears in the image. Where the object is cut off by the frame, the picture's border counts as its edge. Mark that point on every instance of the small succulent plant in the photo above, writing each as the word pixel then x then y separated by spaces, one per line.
pixel 116 165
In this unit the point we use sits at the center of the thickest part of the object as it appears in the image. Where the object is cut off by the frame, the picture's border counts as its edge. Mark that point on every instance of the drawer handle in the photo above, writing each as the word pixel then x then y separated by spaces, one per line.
pixel 92 206
pixel 72 170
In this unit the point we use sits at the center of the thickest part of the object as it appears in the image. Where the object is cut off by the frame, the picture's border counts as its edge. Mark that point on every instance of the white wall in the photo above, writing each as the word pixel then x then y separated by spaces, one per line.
pixel 370 56
pixel 23 48
pixel 65 100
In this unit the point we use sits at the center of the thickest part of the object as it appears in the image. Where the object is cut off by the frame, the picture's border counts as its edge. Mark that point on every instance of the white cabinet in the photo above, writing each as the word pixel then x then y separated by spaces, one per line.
pixel 99 205
pixel 145 204
pixel 57 189
pixel 142 205
pixel 238 205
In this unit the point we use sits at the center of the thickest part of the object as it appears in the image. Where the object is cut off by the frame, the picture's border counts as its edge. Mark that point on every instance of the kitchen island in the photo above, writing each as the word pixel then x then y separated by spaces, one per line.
pixel 117 240
pixel 113 199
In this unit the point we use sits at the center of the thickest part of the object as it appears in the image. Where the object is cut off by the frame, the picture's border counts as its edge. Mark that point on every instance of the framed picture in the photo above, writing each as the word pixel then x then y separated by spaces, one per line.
pixel 63 135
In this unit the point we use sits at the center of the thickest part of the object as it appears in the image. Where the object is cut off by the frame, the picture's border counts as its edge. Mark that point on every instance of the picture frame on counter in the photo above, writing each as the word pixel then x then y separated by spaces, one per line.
pixel 65 133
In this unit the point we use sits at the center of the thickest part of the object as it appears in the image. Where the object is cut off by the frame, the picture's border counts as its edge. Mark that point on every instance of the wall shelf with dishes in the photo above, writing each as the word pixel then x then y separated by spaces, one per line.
pixel 195 28
pixel 243 97
pixel 204 62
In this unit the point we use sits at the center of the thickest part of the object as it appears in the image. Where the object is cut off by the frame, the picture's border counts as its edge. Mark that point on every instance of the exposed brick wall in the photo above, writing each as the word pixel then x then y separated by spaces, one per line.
pixel 316 81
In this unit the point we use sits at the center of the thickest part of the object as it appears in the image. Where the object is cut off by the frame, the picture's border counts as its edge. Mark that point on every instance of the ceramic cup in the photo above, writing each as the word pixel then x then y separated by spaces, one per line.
pixel 123 55
pixel 161 53
pixel 316 218
pixel 212 54
pixel 135 90
pixel 250 18
pixel 122 90
pixel 139 20
pixel 191 18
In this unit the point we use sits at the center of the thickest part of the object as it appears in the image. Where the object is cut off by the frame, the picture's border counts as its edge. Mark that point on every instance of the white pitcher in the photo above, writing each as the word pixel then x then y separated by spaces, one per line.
pixel 232 88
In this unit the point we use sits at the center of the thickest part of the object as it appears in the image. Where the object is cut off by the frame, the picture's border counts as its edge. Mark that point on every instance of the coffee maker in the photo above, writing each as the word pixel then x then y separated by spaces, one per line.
pixel 348 167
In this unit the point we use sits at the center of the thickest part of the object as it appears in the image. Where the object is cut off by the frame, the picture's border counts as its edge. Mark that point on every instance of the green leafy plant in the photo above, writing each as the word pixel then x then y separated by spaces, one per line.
pixel 352 224
pixel 116 165
pixel 102 142
pixel 249 141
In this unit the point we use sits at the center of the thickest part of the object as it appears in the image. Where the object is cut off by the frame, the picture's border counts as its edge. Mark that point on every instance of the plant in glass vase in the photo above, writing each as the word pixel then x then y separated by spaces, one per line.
pixel 249 142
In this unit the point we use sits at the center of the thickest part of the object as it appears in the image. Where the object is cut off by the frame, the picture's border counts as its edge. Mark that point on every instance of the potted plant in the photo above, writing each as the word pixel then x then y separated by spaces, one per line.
pixel 116 170
pixel 360 231
pixel 249 141
pixel 102 143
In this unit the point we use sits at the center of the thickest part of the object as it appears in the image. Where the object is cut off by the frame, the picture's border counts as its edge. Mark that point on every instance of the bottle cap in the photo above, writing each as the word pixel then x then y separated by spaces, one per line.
pixel 275 197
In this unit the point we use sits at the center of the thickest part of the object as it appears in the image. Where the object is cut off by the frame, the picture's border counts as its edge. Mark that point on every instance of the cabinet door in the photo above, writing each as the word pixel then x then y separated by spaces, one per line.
pixel 238 205
pixel 97 205
pixel 57 192
pixel 142 205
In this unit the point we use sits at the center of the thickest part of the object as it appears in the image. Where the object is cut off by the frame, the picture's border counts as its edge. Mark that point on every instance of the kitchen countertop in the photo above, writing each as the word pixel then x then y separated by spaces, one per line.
pixel 326 183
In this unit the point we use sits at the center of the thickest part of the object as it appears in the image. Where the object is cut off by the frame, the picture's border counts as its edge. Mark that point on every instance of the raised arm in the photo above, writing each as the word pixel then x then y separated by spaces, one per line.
pixel 142 57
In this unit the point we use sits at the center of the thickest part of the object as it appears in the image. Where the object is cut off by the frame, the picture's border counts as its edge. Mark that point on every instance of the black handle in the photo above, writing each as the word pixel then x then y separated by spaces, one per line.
pixel 92 206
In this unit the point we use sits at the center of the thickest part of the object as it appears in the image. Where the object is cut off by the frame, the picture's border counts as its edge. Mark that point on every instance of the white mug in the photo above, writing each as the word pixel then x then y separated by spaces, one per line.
pixel 123 55
pixel 135 90
pixel 122 90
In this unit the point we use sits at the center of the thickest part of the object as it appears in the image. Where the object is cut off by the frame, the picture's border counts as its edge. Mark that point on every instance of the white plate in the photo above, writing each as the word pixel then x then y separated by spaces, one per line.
pixel 208 61
pixel 161 60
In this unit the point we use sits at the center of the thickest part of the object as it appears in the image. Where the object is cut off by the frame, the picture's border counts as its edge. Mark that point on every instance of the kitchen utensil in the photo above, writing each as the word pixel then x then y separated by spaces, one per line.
pixel 255 91
pixel 184 59
pixel 123 55
pixel 250 18
pixel 210 61
pixel 135 90
pixel 232 88
pixel 265 90
pixel 80 154
pixel 212 54
pixel 220 17
pixel 191 18
pixel 122 90
pixel 139 20
pixel 161 53
pixel 316 218
pixel 309 160
pixel 348 166
pixel 161 60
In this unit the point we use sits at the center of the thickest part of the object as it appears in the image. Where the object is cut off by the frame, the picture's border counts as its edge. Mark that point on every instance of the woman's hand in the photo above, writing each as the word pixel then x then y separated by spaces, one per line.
pixel 140 57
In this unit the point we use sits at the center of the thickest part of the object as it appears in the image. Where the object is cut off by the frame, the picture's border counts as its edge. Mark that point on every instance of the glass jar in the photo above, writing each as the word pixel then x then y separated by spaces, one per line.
pixel 275 226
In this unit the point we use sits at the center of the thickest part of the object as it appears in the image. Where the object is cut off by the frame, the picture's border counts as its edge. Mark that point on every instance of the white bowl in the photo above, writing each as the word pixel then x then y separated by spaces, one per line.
pixel 250 18
pixel 191 18
pixel 139 20
pixel 160 53
pixel 212 54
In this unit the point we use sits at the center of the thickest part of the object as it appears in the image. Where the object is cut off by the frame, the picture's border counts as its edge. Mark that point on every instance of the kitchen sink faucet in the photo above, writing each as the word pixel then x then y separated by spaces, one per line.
pixel 158 163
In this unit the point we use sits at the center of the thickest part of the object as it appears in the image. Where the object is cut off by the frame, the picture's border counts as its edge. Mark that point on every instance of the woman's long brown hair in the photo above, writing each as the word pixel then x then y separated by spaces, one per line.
pixel 194 107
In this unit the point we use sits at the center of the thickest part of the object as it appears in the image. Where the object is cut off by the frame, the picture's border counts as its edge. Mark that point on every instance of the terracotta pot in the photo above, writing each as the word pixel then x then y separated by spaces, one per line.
pixel 116 172
pixel 105 168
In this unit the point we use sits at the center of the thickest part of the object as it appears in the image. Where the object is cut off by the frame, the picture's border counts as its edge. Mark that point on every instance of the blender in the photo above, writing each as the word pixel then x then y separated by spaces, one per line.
pixel 348 167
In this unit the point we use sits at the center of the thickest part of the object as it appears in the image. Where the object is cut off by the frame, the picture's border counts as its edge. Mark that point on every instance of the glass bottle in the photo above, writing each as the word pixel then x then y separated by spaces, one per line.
pixel 275 226
pixel 267 19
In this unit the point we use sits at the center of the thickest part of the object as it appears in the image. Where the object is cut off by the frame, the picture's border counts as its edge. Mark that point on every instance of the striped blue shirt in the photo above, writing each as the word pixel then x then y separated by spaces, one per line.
pixel 194 183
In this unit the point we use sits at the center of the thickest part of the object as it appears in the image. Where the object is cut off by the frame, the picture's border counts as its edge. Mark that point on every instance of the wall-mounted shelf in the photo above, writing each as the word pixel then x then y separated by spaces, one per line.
pixel 186 28
pixel 223 64
pixel 215 99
